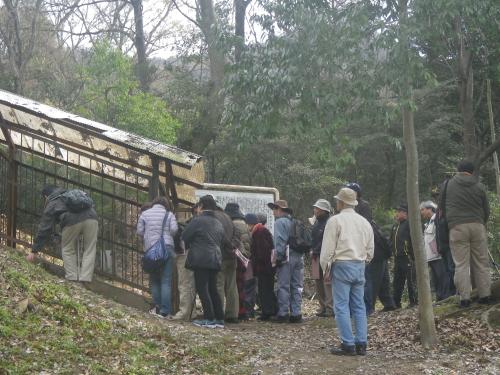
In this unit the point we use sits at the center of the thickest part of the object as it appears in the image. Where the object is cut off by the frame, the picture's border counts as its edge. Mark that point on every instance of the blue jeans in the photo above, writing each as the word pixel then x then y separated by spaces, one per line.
pixel 161 285
pixel 348 281
pixel 290 280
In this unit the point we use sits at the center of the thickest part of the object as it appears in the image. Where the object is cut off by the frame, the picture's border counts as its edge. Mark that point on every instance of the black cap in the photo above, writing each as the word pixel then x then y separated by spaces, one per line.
pixel 402 207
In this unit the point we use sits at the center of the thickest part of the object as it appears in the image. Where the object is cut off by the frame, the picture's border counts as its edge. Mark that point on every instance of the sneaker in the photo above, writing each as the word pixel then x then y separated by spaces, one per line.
pixel 296 319
pixel 204 323
pixel 232 320
pixel 348 350
pixel 166 316
pixel 219 324
pixel 155 311
pixel 264 318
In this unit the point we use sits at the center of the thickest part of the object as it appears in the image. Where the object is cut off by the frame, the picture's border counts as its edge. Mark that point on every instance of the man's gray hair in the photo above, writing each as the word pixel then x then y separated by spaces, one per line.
pixel 428 204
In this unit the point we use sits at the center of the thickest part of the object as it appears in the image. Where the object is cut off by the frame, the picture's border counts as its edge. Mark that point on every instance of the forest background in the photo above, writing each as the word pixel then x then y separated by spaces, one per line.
pixel 302 95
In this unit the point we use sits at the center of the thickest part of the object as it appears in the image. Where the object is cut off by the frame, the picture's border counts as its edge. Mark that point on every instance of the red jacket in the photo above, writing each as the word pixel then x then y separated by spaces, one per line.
pixel 261 249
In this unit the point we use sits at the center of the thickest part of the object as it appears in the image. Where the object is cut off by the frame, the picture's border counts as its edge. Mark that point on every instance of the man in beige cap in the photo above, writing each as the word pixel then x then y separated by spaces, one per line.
pixel 322 210
pixel 347 246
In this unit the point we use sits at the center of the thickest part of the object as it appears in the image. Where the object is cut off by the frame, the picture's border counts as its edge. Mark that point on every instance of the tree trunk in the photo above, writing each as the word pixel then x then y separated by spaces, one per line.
pixel 142 67
pixel 493 135
pixel 207 128
pixel 428 335
pixel 240 8
pixel 466 92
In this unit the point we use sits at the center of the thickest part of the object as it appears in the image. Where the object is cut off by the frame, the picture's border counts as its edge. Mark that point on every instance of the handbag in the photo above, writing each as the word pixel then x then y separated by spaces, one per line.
pixel 157 255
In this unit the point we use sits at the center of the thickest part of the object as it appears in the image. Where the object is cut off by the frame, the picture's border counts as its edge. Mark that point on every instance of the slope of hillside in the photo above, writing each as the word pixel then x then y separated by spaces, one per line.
pixel 49 325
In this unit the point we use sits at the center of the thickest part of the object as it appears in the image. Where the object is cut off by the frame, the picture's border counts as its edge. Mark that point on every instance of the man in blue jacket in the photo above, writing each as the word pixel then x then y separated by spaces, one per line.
pixel 289 266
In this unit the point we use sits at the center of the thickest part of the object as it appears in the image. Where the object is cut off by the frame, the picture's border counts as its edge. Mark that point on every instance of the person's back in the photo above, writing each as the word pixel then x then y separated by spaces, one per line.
pixel 150 224
pixel 203 237
pixel 73 225
pixel 467 212
pixel 466 201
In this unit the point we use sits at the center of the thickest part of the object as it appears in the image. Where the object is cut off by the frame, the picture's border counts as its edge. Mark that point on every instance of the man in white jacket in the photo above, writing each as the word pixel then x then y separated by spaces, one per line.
pixel 347 246
pixel 440 276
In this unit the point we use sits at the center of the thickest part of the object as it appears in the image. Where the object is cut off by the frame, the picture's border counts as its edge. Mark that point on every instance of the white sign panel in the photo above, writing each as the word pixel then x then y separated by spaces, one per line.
pixel 249 202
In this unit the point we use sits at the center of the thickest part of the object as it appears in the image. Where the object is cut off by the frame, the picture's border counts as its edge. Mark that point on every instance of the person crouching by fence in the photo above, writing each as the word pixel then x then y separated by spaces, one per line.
pixel 203 237
pixel 154 223
pixel 74 212
pixel 261 249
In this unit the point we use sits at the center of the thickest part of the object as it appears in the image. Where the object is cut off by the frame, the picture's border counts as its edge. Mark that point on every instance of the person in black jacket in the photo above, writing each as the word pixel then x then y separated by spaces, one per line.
pixel 203 237
pixel 322 210
pixel 73 225
pixel 404 261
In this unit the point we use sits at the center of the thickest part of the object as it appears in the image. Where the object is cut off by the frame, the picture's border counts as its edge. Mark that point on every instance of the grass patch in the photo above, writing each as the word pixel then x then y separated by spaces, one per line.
pixel 66 329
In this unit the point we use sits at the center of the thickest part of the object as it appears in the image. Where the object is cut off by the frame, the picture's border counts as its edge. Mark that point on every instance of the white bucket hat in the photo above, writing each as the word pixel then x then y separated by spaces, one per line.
pixel 348 196
pixel 323 204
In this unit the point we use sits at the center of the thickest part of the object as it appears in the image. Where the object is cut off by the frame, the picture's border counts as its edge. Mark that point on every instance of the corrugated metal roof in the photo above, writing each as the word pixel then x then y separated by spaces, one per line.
pixel 113 135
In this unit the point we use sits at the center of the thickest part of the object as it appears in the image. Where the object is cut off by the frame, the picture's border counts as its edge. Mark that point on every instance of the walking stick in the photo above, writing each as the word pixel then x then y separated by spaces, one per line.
pixel 495 264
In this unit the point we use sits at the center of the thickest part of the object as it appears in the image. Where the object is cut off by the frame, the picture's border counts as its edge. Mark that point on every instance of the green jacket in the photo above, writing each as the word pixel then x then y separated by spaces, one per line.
pixel 466 201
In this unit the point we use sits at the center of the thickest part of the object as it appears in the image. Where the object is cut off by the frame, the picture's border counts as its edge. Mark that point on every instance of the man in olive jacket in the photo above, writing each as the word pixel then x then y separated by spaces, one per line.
pixel 467 211
pixel 73 225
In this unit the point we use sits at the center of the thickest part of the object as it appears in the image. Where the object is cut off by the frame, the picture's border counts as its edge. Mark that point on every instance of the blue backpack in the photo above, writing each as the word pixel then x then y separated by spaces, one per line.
pixel 157 255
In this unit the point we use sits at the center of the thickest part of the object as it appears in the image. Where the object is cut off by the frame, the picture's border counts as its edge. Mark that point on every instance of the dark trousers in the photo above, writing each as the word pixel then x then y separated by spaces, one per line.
pixel 440 279
pixel 384 292
pixel 267 297
pixel 404 273
pixel 205 282
pixel 450 270
pixel 240 284
pixel 377 284
pixel 250 295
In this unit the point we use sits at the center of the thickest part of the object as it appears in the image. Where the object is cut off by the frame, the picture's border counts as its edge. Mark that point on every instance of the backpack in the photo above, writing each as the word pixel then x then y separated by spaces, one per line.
pixel 157 255
pixel 382 244
pixel 300 237
pixel 77 200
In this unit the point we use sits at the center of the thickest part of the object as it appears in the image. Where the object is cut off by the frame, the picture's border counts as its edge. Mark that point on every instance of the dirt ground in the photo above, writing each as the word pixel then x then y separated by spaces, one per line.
pixel 272 348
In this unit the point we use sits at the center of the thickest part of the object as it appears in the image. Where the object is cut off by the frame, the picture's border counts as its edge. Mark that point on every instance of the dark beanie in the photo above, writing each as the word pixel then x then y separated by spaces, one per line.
pixel 208 202
pixel 465 166
pixel 48 189
pixel 251 219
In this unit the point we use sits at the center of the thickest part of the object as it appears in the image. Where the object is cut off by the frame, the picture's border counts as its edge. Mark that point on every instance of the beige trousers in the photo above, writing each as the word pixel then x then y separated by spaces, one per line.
pixel 226 286
pixel 469 248
pixel 325 296
pixel 187 292
pixel 76 268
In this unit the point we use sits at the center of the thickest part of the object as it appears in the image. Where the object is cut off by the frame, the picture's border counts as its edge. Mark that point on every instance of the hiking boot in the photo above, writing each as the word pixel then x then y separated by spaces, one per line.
pixel 280 319
pixel 232 320
pixel 485 300
pixel 348 350
pixel 464 303
pixel 361 349
pixel 296 319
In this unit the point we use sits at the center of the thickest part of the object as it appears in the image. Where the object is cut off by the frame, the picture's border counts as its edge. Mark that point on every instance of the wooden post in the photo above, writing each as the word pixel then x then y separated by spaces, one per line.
pixel 154 182
pixel 493 135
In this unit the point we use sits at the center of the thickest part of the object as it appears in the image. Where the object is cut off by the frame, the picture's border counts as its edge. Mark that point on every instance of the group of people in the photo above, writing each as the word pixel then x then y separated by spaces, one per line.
pixel 232 261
